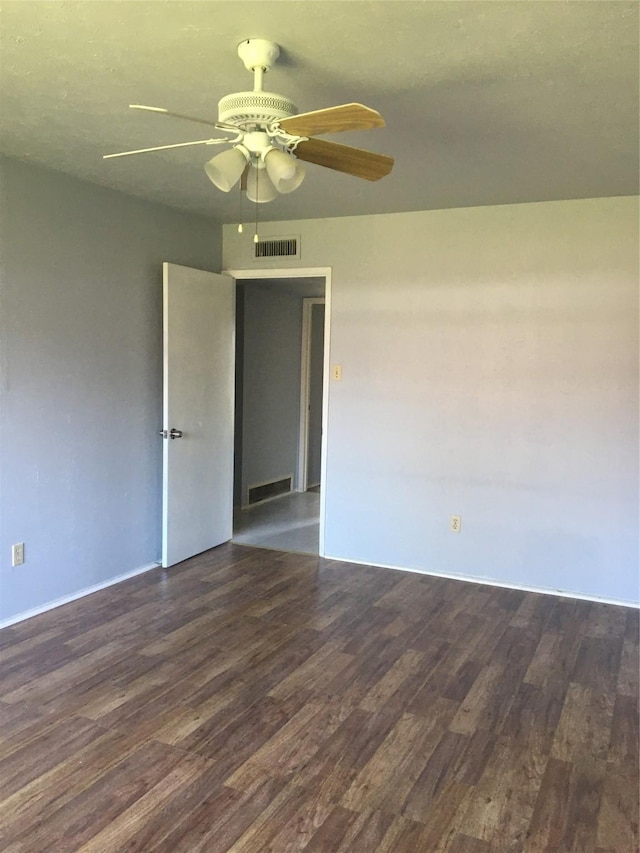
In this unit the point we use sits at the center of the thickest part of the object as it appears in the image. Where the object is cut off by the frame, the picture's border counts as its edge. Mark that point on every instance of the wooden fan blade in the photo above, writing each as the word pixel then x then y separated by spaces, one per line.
pixel 344 158
pixel 333 120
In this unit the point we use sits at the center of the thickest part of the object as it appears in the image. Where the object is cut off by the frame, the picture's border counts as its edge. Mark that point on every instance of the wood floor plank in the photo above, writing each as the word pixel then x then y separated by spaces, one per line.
pixel 294 743
pixel 462 843
pixel 586 791
pixel 444 818
pixel 548 822
pixel 15 718
pixel 280 812
pixel 244 733
pixel 42 752
pixel 585 725
pixel 100 802
pixel 405 836
pixel 623 744
pixel 298 831
pixel 407 667
pixel 628 675
pixel 319 669
pixel 119 832
pixel 598 662
pixel 606 622
pixel 18 652
pixel 342 756
pixel 617 827
pixel 208 823
pixel 473 708
pixel 251 700
pixel 540 670
pixel 44 686
pixel 445 766
pixel 39 798
pixel 390 774
pixel 503 801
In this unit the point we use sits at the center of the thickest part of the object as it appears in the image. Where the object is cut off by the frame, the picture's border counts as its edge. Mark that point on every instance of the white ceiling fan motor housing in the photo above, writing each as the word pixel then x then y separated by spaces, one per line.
pixel 244 109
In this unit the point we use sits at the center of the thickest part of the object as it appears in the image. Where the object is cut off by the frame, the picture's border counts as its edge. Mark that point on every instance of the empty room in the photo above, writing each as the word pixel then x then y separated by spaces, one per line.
pixel 319 426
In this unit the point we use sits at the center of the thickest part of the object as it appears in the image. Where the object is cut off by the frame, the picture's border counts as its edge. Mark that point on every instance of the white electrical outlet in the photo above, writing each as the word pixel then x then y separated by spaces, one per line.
pixel 17 554
pixel 455 523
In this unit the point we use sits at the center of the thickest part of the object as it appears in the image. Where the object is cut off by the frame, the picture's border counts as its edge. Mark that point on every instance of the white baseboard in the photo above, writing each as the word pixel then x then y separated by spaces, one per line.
pixel 35 611
pixel 542 590
pixel 58 602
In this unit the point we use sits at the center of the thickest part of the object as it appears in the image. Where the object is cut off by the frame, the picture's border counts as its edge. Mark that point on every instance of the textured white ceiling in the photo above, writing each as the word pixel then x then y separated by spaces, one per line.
pixel 485 102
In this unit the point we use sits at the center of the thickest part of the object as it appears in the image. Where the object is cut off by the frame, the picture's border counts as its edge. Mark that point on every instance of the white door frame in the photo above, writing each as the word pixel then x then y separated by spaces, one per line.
pixel 307 272
pixel 305 362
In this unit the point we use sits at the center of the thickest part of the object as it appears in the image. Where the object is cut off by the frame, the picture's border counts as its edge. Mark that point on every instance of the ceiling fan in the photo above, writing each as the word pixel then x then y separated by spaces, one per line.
pixel 268 138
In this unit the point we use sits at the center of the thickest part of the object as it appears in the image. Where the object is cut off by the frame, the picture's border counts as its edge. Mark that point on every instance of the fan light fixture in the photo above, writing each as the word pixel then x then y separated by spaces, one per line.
pixel 279 172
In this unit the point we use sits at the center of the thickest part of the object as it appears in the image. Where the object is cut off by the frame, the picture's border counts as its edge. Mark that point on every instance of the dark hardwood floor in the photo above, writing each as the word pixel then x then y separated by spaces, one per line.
pixel 249 700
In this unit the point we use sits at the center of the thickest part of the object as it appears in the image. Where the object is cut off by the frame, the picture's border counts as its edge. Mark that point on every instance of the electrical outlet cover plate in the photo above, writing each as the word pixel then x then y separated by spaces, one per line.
pixel 455 523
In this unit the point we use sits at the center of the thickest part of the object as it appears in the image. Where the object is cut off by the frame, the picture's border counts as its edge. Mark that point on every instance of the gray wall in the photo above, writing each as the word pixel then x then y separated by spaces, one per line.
pixel 271 387
pixel 81 334
pixel 490 369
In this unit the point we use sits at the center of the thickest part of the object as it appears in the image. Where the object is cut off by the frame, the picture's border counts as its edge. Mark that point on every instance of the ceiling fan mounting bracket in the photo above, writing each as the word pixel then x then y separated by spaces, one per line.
pixel 258 53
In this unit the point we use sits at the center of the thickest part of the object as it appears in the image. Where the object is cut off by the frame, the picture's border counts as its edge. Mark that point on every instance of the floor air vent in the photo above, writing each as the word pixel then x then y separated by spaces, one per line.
pixel 274 489
pixel 280 247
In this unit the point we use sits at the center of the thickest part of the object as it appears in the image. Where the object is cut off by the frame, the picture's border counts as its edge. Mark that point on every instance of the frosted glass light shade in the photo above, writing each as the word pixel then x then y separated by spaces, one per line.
pixel 290 184
pixel 285 171
pixel 225 169
pixel 259 186
pixel 280 166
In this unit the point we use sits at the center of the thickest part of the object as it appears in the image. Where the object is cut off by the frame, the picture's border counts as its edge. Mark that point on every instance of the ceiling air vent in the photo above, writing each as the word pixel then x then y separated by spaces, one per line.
pixel 277 247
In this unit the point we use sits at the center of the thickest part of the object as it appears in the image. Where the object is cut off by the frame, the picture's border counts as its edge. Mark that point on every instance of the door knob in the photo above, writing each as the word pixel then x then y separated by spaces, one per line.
pixel 171 433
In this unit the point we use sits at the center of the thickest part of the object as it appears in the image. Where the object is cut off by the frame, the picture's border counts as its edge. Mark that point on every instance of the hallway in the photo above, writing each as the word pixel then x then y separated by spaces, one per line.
pixel 288 523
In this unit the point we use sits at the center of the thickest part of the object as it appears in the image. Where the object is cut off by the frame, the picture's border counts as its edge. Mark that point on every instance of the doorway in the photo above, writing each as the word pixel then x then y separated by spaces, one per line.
pixel 280 401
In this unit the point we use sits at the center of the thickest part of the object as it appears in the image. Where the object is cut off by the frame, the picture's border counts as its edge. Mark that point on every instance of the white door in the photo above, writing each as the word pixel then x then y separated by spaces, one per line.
pixel 198 401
